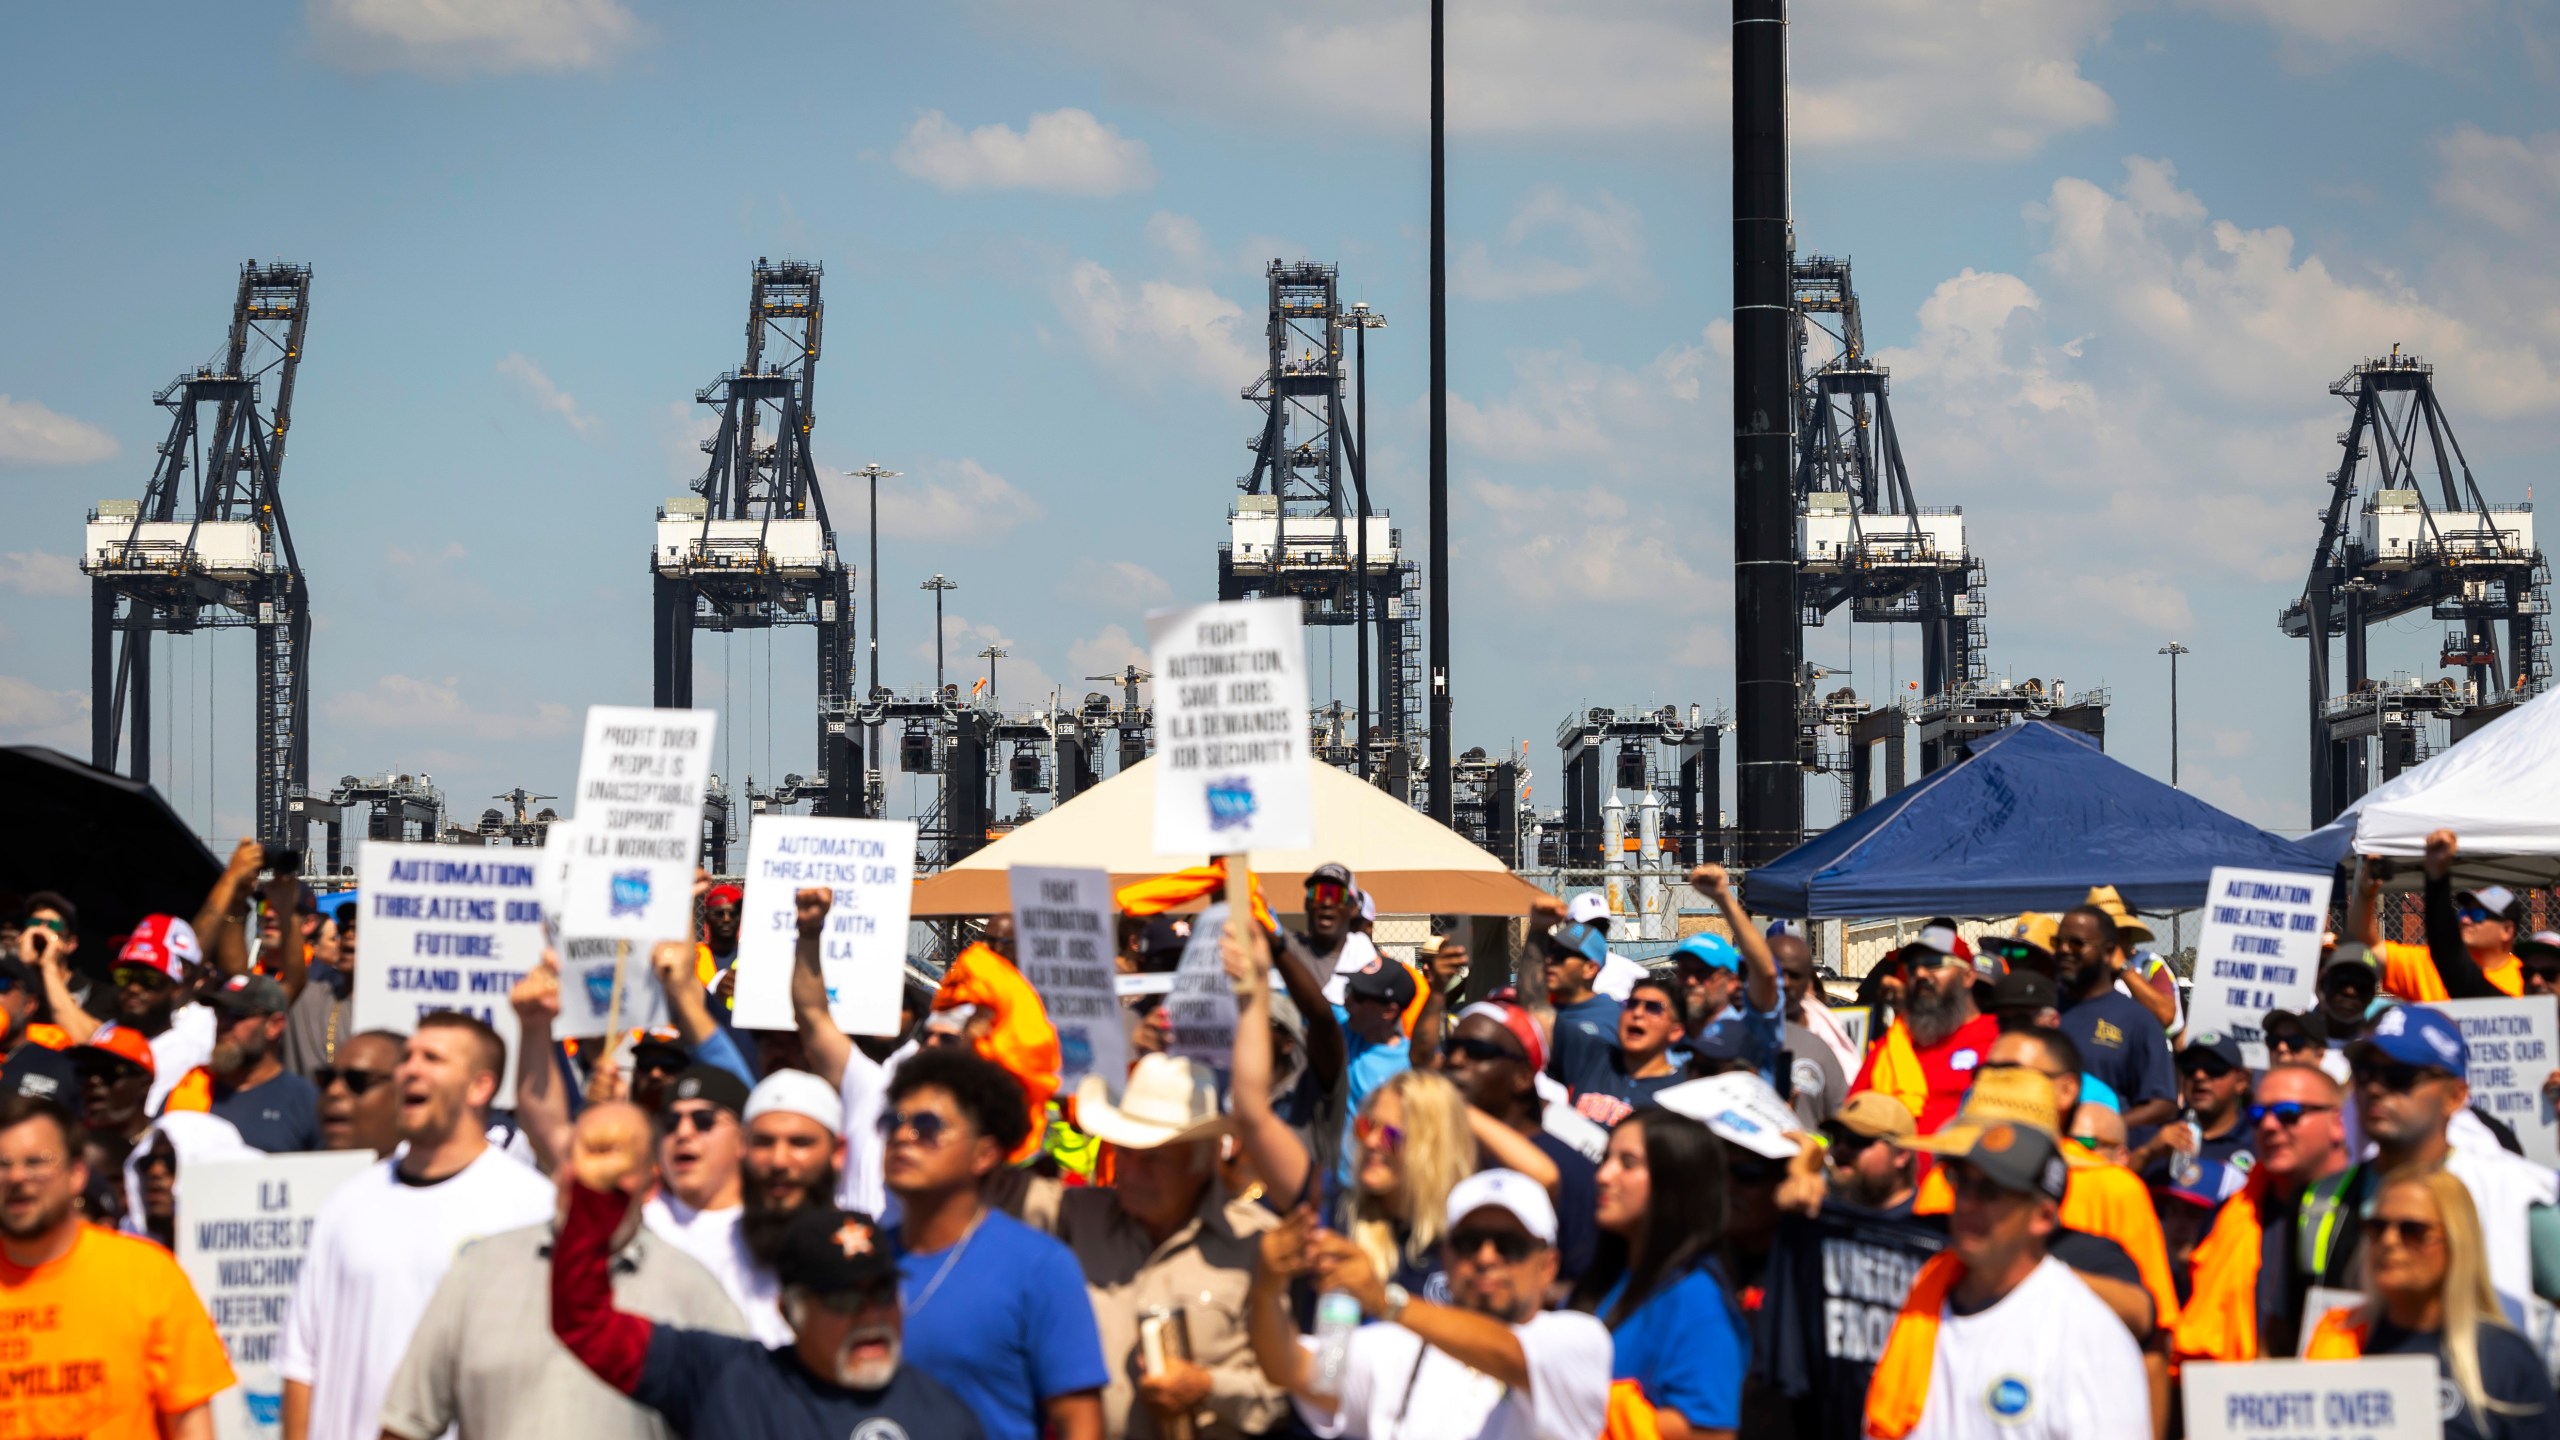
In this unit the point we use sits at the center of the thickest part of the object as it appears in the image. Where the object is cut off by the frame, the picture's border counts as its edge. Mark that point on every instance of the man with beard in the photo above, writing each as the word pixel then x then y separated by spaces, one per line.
pixel 716 956
pixel 1928 1058
pixel 273 1110
pixel 385 1239
pixel 1866 1166
pixel 115 1310
pixel 2120 1041
pixel 155 978
pixel 359 1106
pixel 794 1154
pixel 484 1361
pixel 842 1372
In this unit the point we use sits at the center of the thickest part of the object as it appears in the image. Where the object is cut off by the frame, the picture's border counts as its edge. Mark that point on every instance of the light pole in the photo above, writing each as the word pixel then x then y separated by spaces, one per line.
pixel 873 473
pixel 940 587
pixel 1362 320
pixel 1443 797
pixel 991 655
pixel 2173 650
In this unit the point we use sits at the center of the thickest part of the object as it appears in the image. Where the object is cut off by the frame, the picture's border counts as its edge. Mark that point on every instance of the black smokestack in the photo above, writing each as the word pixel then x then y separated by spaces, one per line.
pixel 1766 640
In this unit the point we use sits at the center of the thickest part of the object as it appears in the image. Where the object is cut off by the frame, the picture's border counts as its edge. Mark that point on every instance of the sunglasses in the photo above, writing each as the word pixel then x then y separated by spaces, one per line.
pixel 1478 1049
pixel 1510 1246
pixel 2211 1067
pixel 2393 1076
pixel 357 1081
pixel 2407 1234
pixel 2475 914
pixel 2085 1142
pixel 925 1125
pixel 2547 974
pixel 2291 1041
pixel 1650 1005
pixel 2287 1113
pixel 700 1121
pixel 1378 1135
pixel 1847 1145
pixel 142 976
pixel 1326 892
pixel 155 1160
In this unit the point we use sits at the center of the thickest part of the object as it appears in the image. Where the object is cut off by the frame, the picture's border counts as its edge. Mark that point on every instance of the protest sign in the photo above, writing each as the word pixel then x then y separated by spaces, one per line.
pixel 587 964
pixel 2260 952
pixel 1743 1108
pixel 1202 1007
pixel 447 928
pixel 243 1228
pixel 638 835
pixel 2391 1397
pixel 1231 728
pixel 1066 928
pixel 871 865
pixel 2513 1045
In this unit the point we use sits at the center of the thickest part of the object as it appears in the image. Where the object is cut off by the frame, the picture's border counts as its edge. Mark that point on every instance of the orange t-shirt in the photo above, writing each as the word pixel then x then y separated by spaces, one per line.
pixel 103 1342
pixel 2409 971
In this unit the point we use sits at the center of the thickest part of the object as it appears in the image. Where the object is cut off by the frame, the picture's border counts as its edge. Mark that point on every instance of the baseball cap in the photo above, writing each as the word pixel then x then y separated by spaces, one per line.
pixel 1164 940
pixel 1368 907
pixel 1877 1116
pixel 2025 990
pixel 2351 952
pixel 125 1044
pixel 1510 1190
pixel 1709 949
pixel 2217 1043
pixel 1518 1021
pixel 1582 940
pixel 1586 907
pixel 2012 1156
pixel 2540 945
pixel 1740 1107
pixel 797 1092
pixel 716 1084
pixel 1385 980
pixel 833 1251
pixel 723 894
pixel 2418 1035
pixel 1795 928
pixel 164 943
pixel 664 1047
pixel 243 995
pixel 1332 872
pixel 1722 1041
pixel 2293 1024
pixel 2498 900
pixel 1941 941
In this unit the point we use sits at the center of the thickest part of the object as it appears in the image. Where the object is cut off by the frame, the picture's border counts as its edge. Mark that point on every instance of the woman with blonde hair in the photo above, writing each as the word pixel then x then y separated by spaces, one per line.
pixel 1413 1147
pixel 2427 1293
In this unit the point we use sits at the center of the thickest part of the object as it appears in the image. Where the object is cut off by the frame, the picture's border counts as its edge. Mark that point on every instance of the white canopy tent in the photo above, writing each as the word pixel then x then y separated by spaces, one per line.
pixel 2499 791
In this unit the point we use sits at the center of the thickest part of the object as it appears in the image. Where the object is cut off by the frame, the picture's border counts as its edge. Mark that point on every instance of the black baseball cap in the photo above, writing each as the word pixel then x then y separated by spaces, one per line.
pixel 1333 871
pixel 1384 980
pixel 713 1083
pixel 834 1252
pixel 2295 1026
pixel 2219 1044
pixel 2025 990
pixel 245 995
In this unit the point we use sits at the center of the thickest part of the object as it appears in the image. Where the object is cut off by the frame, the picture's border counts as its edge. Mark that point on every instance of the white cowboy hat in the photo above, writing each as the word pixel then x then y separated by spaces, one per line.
pixel 1168 1101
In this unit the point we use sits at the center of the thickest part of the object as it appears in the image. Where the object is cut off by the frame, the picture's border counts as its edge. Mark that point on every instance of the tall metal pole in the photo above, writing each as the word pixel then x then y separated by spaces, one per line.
pixel 991 655
pixel 1443 808
pixel 938 586
pixel 873 473
pixel 1360 617
pixel 1767 642
pixel 2173 650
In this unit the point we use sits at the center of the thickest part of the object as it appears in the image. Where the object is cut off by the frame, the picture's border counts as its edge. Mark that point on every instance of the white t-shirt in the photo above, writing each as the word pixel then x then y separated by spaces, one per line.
pixel 2050 1361
pixel 377 1252
pixel 712 1237
pixel 2503 1187
pixel 1386 1397
pixel 866 1093
pixel 186 1045
pixel 1618 977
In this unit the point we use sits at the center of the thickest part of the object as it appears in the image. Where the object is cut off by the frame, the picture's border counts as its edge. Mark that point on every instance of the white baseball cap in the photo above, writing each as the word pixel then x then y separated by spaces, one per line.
pixel 797 1092
pixel 1510 1190
pixel 1586 907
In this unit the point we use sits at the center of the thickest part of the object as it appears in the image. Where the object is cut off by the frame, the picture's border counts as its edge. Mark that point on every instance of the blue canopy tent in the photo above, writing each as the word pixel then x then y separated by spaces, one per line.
pixel 2034 818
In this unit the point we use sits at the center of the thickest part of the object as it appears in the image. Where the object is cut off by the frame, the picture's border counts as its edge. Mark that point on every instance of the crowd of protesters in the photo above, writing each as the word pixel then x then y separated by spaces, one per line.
pixel 2006 1191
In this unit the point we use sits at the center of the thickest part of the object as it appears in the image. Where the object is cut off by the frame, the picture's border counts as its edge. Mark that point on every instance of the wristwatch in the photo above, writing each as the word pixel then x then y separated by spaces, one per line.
pixel 1397 1299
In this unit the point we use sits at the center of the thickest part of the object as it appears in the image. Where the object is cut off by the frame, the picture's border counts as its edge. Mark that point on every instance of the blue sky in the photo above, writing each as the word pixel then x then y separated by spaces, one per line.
pixel 2114 253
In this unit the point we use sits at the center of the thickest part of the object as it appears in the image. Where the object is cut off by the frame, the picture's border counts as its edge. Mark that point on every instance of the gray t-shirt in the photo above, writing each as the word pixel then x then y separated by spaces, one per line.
pixel 483 1356
pixel 1819 1085
pixel 322 1018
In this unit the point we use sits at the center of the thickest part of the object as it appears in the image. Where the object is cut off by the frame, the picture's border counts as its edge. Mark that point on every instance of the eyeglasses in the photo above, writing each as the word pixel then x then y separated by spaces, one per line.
pixel 927 1127
pixel 1378 1135
pixel 1478 1049
pixel 1510 1246
pixel 129 977
pixel 1649 1006
pixel 357 1081
pixel 2407 1234
pixel 701 1121
pixel 2391 1075
pixel 2287 1113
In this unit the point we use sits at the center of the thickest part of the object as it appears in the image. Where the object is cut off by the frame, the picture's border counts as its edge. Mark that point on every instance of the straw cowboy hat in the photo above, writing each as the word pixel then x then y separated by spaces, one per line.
pixel 1169 1101
pixel 2128 924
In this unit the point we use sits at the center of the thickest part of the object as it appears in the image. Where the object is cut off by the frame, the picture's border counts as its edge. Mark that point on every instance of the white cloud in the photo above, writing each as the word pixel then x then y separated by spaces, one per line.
pixel 1179 237
pixel 1159 328
pixel 1565 406
pixel 402 702
pixel 451 38
pixel 41 572
pixel 1106 654
pixel 2507 180
pixel 1606 236
pixel 1021 680
pixel 1062 152
pixel 951 500
pixel 2315 34
pixel 546 394
pixel 30 434
pixel 1114 583
pixel 33 715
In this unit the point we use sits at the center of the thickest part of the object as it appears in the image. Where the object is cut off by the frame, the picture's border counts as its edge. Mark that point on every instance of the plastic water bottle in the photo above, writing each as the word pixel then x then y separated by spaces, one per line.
pixel 2186 1169
pixel 1337 1315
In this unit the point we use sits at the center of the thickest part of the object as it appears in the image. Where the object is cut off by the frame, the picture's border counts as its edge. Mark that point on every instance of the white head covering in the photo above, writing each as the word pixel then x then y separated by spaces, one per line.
pixel 195 1136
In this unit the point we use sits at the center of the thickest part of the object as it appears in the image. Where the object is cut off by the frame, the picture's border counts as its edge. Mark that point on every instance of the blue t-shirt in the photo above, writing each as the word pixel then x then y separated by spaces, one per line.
pixel 708 1384
pixel 281 1115
pixel 1582 1028
pixel 1372 1065
pixel 1006 1327
pixel 1686 1346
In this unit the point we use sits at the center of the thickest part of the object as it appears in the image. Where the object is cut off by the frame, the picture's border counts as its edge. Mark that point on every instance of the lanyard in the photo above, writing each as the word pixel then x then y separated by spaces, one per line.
pixel 2320 1209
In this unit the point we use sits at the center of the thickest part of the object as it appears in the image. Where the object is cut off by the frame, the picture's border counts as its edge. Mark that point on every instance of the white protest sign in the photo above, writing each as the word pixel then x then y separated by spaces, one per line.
pixel 2391 1397
pixel 1202 1008
pixel 1231 728
pixel 587 963
pixel 871 865
pixel 2513 1048
pixel 1741 1107
pixel 638 834
pixel 243 1228
pixel 1066 928
pixel 447 928
pixel 2260 952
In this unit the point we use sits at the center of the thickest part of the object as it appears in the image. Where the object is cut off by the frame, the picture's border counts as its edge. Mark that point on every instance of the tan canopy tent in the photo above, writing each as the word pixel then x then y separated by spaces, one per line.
pixel 1409 863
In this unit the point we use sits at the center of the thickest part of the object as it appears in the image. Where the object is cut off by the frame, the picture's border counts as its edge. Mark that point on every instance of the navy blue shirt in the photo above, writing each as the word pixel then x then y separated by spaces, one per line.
pixel 1577 1201
pixel 1582 1028
pixel 1006 1323
pixel 2121 1044
pixel 2510 1372
pixel 1602 1088
pixel 712 1387
pixel 280 1115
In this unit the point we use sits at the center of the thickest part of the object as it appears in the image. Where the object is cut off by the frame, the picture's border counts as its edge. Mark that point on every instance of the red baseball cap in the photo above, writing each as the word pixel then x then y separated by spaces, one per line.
pixel 1515 1019
pixel 724 895
pixel 123 1043
pixel 165 943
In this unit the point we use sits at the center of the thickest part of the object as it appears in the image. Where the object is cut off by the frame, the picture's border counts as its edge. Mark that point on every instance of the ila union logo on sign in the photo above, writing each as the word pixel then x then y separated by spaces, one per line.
pixel 1231 802
pixel 630 892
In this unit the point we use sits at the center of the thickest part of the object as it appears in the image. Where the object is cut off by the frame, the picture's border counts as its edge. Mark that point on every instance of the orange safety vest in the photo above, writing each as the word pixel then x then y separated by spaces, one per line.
pixel 1893 1067
pixel 2339 1336
pixel 2221 1318
pixel 1631 1416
